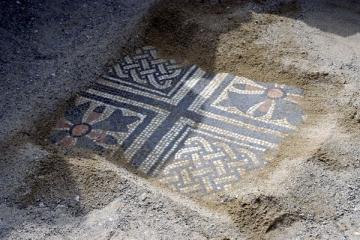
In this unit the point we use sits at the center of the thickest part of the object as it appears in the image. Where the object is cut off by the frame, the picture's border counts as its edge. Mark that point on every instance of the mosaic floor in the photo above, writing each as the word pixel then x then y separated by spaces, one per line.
pixel 195 132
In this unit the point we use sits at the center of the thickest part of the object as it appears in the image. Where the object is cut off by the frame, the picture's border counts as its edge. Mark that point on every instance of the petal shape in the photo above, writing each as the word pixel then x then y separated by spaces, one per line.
pixel 57 136
pixel 75 115
pixel 262 108
pixel 92 117
pixel 85 142
pixel 110 140
pixel 97 136
pixel 265 106
pixel 62 124
pixel 67 141
pixel 117 122
pixel 102 137
pixel 95 115
pixel 244 102
pixel 289 111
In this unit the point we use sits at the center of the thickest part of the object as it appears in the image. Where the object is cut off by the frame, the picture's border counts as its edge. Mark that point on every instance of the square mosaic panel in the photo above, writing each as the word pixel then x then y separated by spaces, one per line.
pixel 195 132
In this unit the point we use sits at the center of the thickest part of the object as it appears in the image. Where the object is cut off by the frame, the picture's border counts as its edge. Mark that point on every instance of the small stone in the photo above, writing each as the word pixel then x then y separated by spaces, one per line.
pixel 77 198
pixel 143 197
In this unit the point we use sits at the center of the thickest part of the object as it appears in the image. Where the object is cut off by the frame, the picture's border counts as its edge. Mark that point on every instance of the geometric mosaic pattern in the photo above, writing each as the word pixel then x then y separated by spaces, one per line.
pixel 196 132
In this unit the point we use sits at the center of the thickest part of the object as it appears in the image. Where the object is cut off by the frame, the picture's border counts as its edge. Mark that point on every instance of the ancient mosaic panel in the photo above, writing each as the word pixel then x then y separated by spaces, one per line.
pixel 196 132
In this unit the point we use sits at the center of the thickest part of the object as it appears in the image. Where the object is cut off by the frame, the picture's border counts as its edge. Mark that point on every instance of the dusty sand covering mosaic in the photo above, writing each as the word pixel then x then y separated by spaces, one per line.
pixel 194 131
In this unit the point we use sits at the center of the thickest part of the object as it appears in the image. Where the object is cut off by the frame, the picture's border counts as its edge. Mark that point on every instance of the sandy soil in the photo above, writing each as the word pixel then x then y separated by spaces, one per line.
pixel 308 191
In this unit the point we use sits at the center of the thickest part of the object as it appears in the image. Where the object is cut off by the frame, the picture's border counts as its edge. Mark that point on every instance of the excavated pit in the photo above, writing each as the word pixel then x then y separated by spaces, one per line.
pixel 224 39
pixel 218 39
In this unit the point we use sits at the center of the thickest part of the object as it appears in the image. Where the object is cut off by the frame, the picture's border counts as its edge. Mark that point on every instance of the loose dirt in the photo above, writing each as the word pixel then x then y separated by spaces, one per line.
pixel 307 191
pixel 225 39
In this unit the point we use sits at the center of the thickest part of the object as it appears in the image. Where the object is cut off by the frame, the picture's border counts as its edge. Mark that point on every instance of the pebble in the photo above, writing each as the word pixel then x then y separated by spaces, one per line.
pixel 143 197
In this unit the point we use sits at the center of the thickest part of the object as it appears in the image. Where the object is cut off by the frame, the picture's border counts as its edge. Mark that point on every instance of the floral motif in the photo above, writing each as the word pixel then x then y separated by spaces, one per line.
pixel 91 128
pixel 268 101
pixel 194 131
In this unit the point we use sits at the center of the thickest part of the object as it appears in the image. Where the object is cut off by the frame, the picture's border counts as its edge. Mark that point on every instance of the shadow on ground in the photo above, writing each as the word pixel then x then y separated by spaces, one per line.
pixel 218 38
pixel 334 16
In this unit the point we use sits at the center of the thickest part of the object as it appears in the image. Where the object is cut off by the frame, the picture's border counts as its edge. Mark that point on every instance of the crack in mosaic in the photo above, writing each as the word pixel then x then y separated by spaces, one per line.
pixel 195 132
